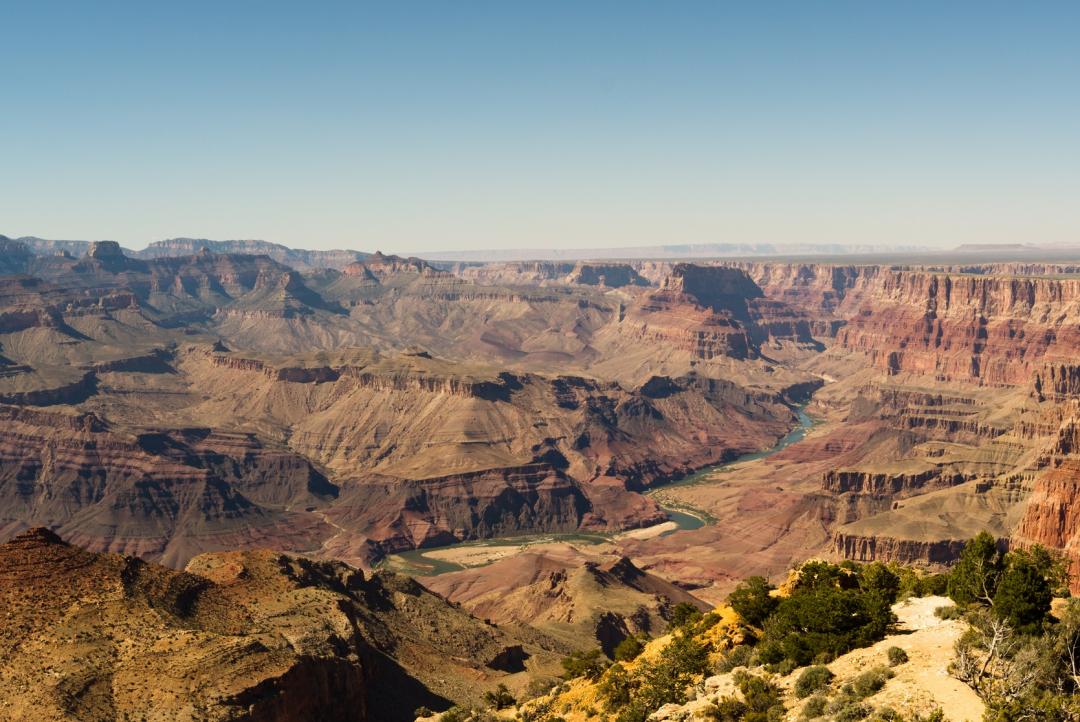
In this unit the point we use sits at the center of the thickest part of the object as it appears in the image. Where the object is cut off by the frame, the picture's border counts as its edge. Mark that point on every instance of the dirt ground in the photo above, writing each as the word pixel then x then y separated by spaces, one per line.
pixel 923 682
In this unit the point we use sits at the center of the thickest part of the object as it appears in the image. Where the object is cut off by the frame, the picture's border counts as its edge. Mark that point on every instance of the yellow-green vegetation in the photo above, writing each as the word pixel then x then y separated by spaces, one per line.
pixel 660 673
pixel 822 611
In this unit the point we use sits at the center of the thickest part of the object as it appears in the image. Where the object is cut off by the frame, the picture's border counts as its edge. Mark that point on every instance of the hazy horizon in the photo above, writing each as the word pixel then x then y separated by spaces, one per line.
pixel 443 128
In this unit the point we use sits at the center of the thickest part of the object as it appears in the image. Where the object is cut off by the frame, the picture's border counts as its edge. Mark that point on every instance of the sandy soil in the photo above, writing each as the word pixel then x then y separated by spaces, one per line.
pixel 922 683
pixel 649 532
pixel 475 556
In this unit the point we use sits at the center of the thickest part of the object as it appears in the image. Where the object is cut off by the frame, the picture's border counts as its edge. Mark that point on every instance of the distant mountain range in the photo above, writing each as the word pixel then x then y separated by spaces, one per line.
pixel 303 260
pixel 680 251
pixel 300 259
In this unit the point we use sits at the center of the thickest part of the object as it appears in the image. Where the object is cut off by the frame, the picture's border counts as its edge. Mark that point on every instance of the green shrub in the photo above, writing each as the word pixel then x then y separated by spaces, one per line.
pixel 878 579
pixel 616 688
pixel 769 651
pixel 824 619
pixel 949 612
pixel 811 680
pixel 1023 594
pixel 499 698
pixel 455 714
pixel 421 712
pixel 975 576
pixel 851 711
pixel 634 712
pixel 871 681
pixel 896 656
pixel 707 622
pixel 738 656
pixel 887 714
pixel 932 585
pixel 762 697
pixel 815 707
pixel 728 709
pixel 819 575
pixel 589 665
pixel 752 600
pixel 684 614
pixel 628 649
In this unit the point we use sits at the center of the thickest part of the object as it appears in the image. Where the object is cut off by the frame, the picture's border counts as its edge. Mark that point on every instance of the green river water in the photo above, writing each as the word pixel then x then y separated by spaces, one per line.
pixel 418 562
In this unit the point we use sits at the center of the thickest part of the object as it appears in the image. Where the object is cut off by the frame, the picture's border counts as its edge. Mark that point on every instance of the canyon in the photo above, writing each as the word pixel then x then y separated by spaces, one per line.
pixel 190 406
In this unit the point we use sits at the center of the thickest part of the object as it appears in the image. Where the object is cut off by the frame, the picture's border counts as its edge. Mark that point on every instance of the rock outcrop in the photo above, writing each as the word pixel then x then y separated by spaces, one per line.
pixel 299 259
pixel 14 257
pixel 252 636
pixel 983 329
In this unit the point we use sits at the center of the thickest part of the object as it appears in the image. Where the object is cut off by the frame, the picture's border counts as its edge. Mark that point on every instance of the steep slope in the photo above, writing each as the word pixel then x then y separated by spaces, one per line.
pixel 428 451
pixel 241 636
pixel 568 595
pixel 164 495
pixel 987 329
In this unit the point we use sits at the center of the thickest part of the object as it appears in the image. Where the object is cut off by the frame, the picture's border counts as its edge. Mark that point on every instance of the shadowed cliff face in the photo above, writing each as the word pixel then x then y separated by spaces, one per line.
pixel 14 257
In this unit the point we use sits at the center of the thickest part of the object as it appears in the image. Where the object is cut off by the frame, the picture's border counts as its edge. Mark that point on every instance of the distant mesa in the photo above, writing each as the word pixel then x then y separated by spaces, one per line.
pixel 105 250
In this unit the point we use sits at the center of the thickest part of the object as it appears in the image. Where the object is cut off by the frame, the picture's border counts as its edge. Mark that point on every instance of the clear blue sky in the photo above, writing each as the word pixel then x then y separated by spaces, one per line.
pixel 413 126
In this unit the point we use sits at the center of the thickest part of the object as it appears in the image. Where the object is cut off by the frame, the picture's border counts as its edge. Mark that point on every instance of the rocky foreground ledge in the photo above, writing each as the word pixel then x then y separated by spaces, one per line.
pixel 252 635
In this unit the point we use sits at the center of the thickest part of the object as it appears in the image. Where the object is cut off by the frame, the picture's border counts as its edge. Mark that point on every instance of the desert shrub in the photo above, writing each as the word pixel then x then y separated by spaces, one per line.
pixel 634 712
pixel 455 714
pixel 785 667
pixel 678 664
pixel 1023 594
pixel 1022 675
pixel 825 620
pixel 820 575
pixel 974 577
pixel 871 681
pixel 616 687
pixel 707 622
pixel 896 656
pixel 932 585
pixel 684 614
pixel 1018 586
pixel 850 711
pixel 886 714
pixel 878 579
pixel 499 698
pixel 762 697
pixel 935 716
pixel 916 583
pixel 752 600
pixel 769 651
pixel 815 707
pixel 727 709
pixel 634 697
pixel 738 656
pixel 590 664
pixel 628 649
pixel 421 712
pixel 540 686
pixel 811 680
pixel 950 611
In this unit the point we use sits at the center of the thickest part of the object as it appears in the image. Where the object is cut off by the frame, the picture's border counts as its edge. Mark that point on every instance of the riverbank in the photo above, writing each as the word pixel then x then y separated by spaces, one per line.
pixel 682 516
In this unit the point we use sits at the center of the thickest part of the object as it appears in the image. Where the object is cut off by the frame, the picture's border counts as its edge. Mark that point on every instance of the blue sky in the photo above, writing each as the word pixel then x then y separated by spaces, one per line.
pixel 414 126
